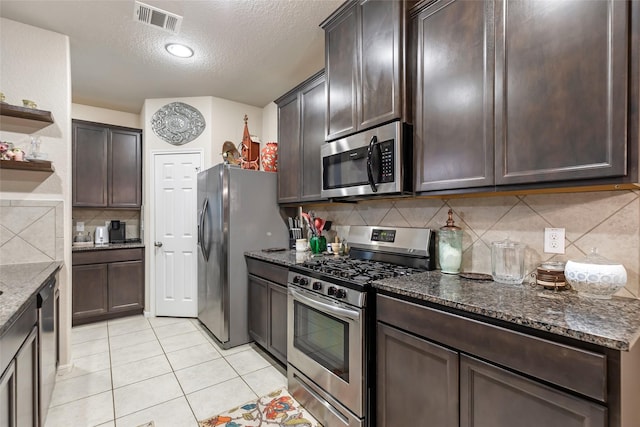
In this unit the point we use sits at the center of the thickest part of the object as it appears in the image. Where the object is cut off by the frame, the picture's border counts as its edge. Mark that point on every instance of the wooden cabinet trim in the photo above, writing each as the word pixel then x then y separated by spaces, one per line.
pixel 575 369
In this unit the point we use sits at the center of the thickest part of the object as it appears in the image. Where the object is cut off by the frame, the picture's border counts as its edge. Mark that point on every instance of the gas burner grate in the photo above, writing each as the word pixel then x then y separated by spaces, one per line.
pixel 358 270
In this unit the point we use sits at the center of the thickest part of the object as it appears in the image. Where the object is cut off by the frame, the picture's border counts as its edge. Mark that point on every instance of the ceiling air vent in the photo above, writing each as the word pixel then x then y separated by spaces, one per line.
pixel 158 18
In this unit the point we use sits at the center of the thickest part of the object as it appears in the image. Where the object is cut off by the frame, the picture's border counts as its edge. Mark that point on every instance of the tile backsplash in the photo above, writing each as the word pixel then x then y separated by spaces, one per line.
pixel 608 220
pixel 93 218
pixel 31 231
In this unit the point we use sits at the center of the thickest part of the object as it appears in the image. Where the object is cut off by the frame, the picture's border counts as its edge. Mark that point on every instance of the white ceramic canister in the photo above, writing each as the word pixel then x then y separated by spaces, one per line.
pixel 595 276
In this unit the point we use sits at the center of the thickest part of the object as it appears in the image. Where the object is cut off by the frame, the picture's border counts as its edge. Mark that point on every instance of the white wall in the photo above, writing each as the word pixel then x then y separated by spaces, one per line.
pixel 270 123
pixel 104 115
pixel 35 65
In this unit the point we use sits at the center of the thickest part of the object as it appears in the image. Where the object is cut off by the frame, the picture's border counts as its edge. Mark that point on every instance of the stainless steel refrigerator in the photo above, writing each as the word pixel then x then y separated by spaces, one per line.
pixel 237 212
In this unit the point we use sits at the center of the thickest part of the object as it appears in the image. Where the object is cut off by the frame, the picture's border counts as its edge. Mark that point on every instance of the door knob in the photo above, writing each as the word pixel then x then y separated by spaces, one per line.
pixel 158 244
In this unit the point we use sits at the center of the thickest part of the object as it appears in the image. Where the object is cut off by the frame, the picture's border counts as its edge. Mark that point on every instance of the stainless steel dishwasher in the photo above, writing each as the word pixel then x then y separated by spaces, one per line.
pixel 48 336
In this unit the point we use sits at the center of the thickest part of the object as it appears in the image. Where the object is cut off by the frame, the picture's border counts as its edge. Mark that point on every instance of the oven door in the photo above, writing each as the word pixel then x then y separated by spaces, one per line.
pixel 366 163
pixel 325 343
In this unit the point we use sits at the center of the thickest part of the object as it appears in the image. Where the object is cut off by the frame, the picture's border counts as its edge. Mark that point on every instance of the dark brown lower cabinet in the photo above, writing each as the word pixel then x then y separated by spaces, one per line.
pixel 268 306
pixel 278 323
pixel 8 396
pixel 493 397
pixel 268 316
pixel 27 382
pixel 122 295
pixel 107 284
pixel 440 368
pixel 417 381
pixel 90 291
pixel 19 378
pixel 258 309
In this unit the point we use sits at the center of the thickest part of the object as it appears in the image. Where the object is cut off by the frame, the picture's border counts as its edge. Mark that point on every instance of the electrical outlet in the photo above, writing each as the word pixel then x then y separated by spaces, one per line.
pixel 554 240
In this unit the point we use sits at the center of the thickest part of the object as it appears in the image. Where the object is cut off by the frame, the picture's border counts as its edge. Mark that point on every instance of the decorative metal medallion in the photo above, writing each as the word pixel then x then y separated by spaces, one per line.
pixel 178 123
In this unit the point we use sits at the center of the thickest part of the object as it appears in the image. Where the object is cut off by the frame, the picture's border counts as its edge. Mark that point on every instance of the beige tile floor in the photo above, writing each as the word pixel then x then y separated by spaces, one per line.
pixel 130 371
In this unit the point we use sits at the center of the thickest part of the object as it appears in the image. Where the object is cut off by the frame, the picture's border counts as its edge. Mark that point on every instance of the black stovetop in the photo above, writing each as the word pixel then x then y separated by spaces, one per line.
pixel 360 271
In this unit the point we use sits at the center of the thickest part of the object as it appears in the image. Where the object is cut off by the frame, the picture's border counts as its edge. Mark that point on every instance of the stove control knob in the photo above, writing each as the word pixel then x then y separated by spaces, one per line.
pixel 303 281
pixel 296 279
pixel 341 293
pixel 316 286
pixel 331 291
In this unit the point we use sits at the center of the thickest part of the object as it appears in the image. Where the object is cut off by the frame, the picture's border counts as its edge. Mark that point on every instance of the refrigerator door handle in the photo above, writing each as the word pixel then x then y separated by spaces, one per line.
pixel 203 245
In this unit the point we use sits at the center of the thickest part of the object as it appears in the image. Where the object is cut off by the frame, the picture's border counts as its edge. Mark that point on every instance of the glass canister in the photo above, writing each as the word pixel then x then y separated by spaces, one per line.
pixel 507 261
pixel 450 247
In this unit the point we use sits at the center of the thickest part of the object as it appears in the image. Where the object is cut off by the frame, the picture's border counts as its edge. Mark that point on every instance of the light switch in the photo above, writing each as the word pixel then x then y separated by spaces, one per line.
pixel 79 226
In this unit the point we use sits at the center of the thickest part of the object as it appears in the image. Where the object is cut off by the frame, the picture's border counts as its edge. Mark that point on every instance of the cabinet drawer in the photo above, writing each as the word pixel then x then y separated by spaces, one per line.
pixel 106 256
pixel 267 270
pixel 582 371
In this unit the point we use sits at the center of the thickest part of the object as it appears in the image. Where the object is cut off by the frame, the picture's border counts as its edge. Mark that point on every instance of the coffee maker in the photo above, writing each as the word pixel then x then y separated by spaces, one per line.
pixel 117 233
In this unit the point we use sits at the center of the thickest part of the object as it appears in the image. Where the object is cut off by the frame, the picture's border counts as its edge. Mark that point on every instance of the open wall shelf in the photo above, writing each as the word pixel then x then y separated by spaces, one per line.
pixel 36 166
pixel 14 118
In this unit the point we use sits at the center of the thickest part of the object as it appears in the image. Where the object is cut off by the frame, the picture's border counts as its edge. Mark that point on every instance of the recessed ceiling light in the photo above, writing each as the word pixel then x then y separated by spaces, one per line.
pixel 179 50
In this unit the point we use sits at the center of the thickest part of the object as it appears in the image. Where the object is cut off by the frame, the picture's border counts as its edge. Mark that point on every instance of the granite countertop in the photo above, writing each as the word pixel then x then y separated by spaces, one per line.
pixel 19 283
pixel 107 247
pixel 285 258
pixel 613 323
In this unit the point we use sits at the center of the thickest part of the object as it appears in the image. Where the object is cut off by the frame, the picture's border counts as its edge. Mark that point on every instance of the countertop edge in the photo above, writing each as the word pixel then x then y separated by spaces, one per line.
pixel 41 277
pixel 109 247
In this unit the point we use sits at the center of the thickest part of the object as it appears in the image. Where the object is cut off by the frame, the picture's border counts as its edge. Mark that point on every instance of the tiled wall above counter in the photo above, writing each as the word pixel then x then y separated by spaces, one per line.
pixel 93 218
pixel 31 231
pixel 608 220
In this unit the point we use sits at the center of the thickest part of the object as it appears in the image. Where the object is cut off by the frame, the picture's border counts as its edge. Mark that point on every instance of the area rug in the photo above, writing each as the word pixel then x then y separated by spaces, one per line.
pixel 275 409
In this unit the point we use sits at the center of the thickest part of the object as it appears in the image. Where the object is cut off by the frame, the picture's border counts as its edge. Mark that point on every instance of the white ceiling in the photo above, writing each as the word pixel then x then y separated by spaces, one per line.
pixel 249 51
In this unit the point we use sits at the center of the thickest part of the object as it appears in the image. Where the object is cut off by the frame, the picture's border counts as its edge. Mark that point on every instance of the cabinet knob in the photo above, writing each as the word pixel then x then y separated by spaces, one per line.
pixel 158 244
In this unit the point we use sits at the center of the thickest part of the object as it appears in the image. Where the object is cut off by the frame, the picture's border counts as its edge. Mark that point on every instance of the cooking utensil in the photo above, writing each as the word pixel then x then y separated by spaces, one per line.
pixel 319 224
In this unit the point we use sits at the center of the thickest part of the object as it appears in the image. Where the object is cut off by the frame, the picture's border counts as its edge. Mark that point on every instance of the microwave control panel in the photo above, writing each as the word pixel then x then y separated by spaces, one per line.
pixel 386 161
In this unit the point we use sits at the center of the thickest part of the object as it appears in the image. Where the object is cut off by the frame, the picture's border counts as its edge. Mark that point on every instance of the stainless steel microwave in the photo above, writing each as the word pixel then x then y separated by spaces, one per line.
pixel 375 161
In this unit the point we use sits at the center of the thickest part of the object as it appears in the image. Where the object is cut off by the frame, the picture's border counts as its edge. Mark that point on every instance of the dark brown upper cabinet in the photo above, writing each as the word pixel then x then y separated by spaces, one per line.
pixel 365 68
pixel 532 92
pixel 561 90
pixel 454 104
pixel 107 166
pixel 301 121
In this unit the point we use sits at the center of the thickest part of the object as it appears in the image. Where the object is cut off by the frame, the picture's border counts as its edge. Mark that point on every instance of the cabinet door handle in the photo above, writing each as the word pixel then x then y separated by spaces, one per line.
pixel 158 244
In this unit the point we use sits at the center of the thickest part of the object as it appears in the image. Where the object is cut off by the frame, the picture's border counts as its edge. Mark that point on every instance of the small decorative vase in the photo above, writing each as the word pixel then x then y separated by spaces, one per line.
pixel 269 157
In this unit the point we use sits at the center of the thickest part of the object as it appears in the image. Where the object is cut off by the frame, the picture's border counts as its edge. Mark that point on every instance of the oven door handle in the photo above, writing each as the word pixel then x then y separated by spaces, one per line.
pixel 340 312
pixel 372 183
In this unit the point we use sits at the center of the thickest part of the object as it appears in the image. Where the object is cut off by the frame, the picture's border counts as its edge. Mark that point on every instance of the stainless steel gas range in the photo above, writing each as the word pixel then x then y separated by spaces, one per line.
pixel 330 348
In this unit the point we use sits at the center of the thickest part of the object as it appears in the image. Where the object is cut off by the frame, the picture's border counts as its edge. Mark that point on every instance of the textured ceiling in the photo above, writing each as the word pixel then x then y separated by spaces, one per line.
pixel 249 51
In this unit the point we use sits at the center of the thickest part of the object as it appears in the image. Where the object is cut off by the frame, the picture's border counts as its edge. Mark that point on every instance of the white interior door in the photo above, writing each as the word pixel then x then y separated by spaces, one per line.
pixel 175 228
